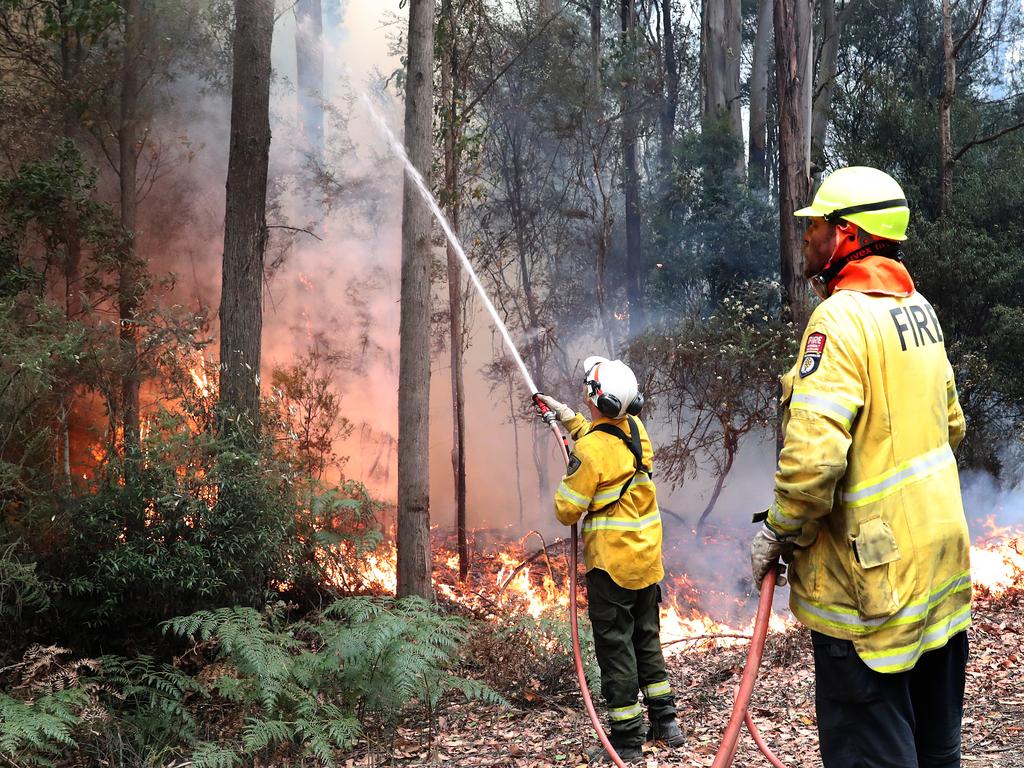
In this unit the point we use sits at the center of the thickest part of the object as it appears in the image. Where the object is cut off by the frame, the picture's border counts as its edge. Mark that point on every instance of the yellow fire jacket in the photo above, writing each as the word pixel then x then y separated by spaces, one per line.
pixel 624 537
pixel 867 483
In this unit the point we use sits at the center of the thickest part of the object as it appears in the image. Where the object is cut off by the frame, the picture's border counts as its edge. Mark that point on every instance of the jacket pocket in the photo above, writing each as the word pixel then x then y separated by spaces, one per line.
pixel 874 551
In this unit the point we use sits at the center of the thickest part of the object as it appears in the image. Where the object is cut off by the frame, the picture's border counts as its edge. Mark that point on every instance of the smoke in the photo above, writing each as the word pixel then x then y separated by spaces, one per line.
pixel 987 499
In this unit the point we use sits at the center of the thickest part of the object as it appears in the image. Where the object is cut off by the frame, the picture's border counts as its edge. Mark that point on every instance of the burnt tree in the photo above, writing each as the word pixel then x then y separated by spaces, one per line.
pixel 245 225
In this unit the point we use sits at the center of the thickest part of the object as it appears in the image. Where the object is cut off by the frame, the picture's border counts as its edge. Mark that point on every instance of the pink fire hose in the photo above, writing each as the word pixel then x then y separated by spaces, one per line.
pixel 730 741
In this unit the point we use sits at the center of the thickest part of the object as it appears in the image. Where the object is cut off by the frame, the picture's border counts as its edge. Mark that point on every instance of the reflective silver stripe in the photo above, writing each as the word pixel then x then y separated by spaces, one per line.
pixel 572 497
pixel 776 517
pixel 909 613
pixel 612 494
pixel 936 635
pixel 606 523
pixel 951 395
pixel 654 690
pixel 821 404
pixel 625 713
pixel 904 474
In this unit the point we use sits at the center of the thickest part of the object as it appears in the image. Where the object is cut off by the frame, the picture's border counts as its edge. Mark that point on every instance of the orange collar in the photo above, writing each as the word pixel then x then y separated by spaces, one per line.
pixel 874 274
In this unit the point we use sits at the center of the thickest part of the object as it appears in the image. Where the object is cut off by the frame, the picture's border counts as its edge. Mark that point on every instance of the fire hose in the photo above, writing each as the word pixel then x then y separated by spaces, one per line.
pixel 740 714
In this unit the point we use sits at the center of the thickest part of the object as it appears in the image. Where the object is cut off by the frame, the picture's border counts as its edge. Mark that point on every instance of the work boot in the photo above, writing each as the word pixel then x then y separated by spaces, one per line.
pixel 668 732
pixel 598 756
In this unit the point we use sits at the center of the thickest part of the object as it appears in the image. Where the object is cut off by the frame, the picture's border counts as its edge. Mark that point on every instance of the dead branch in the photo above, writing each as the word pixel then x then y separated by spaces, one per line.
pixel 695 638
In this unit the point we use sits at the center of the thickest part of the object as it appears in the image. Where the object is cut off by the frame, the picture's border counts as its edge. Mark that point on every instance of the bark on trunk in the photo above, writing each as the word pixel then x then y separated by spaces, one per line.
pixel 70 54
pixel 721 43
pixel 831 29
pixel 245 226
pixel 414 558
pixel 450 93
pixel 595 53
pixel 762 61
pixel 793 75
pixel 670 102
pixel 309 73
pixel 128 287
pixel 945 112
pixel 631 175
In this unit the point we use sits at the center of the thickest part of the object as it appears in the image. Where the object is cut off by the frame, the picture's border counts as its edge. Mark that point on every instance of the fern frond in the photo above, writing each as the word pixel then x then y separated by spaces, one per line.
pixel 209 754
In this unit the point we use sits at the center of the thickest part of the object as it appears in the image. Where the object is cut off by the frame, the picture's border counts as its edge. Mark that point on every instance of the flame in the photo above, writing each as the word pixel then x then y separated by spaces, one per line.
pixel 501 584
pixel 997 559
pixel 202 381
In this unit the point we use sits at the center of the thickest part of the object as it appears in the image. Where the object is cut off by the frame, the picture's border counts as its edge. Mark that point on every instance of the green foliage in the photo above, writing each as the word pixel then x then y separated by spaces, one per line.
pixel 150 699
pixel 38 731
pixel 177 534
pixel 314 686
pixel 20 588
pixel 711 232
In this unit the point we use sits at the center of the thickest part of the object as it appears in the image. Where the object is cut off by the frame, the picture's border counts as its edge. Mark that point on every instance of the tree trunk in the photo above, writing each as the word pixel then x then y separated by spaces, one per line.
pixel 128 287
pixel 945 112
pixel 793 75
pixel 595 53
pixel 414 558
pixel 762 61
pixel 70 56
pixel 670 101
pixel 452 128
pixel 309 73
pixel 831 29
pixel 721 43
pixel 245 226
pixel 630 173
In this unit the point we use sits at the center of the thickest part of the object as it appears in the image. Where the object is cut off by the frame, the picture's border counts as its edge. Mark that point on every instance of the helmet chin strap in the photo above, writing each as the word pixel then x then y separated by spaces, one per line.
pixel 820 283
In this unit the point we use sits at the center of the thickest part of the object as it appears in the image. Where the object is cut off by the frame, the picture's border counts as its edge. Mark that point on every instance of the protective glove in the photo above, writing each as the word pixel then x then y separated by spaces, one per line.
pixel 562 412
pixel 765 551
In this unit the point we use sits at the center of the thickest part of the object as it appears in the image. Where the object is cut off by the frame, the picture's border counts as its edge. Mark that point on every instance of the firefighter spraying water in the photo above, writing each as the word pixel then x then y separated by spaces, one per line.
pixel 617 400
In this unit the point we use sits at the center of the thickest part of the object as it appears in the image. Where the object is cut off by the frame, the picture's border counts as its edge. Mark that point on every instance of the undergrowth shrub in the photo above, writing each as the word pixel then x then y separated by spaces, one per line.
pixel 531 658
pixel 252 688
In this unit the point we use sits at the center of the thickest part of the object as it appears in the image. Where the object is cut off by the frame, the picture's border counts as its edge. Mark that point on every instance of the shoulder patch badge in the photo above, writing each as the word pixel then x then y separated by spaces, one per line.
pixel 812 353
pixel 574 464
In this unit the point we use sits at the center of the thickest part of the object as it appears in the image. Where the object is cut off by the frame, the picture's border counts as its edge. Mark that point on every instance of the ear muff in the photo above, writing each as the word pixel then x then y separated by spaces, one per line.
pixel 609 405
pixel 634 408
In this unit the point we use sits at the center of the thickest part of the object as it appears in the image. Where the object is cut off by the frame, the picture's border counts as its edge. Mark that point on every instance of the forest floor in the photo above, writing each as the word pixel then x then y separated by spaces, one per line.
pixel 542 730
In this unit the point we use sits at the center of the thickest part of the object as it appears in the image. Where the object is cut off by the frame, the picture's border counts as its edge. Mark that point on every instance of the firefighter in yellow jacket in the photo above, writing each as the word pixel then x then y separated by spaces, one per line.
pixel 608 483
pixel 867 496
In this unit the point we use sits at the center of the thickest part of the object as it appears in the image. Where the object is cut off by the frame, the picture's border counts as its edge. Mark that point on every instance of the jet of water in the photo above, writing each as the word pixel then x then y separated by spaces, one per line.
pixel 450 234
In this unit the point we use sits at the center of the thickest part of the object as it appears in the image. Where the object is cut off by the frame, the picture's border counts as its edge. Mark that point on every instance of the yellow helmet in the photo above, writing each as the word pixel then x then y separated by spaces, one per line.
pixel 867 197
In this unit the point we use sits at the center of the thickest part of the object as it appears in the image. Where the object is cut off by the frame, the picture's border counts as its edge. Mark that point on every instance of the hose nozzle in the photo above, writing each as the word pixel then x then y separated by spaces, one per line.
pixel 545 413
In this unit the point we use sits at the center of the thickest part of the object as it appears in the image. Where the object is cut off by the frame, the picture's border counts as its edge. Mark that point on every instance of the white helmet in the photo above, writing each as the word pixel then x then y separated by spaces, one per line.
pixel 612 387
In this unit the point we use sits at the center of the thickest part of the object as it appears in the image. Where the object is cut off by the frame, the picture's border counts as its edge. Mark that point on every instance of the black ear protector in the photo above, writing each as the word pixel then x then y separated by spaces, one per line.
pixel 610 405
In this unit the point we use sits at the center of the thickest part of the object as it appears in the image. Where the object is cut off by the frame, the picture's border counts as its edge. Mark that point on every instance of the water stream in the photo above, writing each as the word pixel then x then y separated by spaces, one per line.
pixel 421 184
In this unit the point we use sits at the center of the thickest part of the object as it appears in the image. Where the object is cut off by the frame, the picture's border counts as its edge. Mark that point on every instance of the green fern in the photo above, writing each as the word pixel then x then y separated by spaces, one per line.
pixel 209 754
pixel 362 658
pixel 34 731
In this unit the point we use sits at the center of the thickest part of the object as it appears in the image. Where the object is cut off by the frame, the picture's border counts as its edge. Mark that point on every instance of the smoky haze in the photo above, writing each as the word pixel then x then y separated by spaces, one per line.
pixel 340 292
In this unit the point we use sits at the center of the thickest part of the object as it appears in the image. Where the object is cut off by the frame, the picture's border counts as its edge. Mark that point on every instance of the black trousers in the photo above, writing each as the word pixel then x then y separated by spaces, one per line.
pixel 868 719
pixel 627 642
